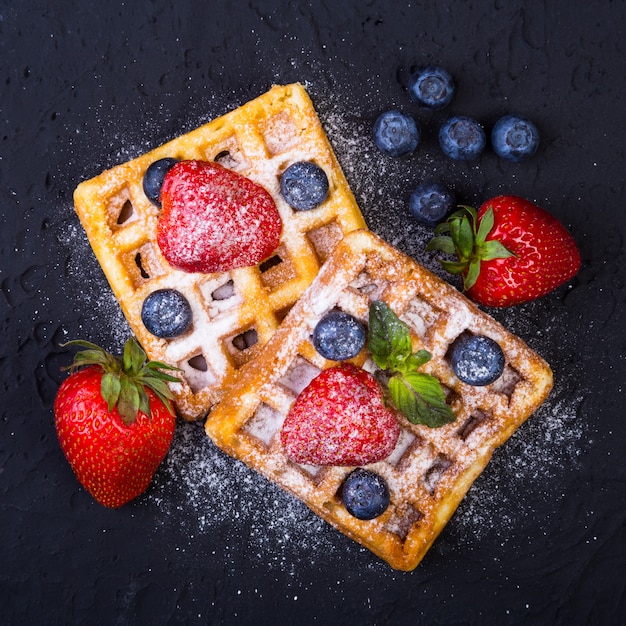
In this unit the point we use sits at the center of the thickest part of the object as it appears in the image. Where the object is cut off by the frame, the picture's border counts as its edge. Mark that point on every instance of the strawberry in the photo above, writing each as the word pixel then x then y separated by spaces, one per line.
pixel 340 419
pixel 346 417
pixel 215 220
pixel 114 421
pixel 509 252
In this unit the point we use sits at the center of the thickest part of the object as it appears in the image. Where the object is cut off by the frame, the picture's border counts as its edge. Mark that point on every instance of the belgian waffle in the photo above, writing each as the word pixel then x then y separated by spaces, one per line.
pixel 430 469
pixel 236 312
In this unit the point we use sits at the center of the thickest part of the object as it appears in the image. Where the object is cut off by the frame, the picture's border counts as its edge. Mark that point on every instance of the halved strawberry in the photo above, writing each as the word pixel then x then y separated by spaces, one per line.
pixel 215 220
pixel 509 252
pixel 340 419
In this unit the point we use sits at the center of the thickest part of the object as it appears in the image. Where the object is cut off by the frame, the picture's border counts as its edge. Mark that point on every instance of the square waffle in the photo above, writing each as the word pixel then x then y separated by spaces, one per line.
pixel 236 312
pixel 430 469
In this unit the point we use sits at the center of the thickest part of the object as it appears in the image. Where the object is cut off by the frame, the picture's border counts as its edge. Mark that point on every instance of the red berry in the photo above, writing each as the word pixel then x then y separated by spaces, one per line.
pixel 510 252
pixel 113 452
pixel 546 255
pixel 215 220
pixel 340 419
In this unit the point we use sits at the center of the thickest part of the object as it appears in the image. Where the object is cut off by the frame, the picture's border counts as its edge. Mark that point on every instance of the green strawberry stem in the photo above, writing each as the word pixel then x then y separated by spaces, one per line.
pixel 467 239
pixel 125 379
pixel 417 395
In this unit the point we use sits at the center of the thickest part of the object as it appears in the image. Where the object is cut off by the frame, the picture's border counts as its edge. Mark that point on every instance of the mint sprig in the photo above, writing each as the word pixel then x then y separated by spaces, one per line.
pixel 417 395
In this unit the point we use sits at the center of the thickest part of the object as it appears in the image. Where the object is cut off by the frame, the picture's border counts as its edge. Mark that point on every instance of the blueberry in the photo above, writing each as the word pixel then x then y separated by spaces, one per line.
pixel 462 138
pixel 476 360
pixel 514 138
pixel 430 203
pixel 396 133
pixel 153 178
pixel 431 87
pixel 166 313
pixel 364 494
pixel 304 185
pixel 339 336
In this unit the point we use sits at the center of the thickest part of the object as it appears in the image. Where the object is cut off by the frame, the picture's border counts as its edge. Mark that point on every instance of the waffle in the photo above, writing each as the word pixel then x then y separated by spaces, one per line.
pixel 236 312
pixel 430 469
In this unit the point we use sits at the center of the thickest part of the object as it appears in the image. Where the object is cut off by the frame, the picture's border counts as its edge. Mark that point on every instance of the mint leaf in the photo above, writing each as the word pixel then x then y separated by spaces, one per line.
pixel 389 339
pixel 418 359
pixel 420 399
pixel 419 396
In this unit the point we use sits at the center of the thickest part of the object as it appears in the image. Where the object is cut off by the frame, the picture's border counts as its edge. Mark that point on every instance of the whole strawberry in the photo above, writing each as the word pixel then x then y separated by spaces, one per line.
pixel 340 419
pixel 114 421
pixel 215 220
pixel 509 252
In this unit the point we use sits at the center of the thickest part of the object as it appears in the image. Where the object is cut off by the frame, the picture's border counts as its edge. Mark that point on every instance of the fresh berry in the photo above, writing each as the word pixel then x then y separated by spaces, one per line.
pixel 431 87
pixel 365 494
pixel 430 203
pixel 114 421
pixel 396 133
pixel 462 138
pixel 340 418
pixel 215 220
pixel 339 336
pixel 304 185
pixel 510 252
pixel 514 138
pixel 476 360
pixel 153 179
pixel 166 313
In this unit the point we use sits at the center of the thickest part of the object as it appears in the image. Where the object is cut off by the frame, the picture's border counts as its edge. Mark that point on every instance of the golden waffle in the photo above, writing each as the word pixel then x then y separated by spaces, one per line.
pixel 430 470
pixel 234 313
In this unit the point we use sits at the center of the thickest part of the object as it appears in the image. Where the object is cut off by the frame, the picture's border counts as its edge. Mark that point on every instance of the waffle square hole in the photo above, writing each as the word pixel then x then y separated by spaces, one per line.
pixel 403 519
pixel 280 133
pixel 220 295
pixel 506 384
pixel 324 239
pixel 230 156
pixel 144 264
pixel 197 372
pixel 419 315
pixel 476 419
pixel 278 269
pixel 407 442
pixel 120 210
pixel 435 472
pixel 240 346
pixel 368 286
pixel 299 374
pixel 264 424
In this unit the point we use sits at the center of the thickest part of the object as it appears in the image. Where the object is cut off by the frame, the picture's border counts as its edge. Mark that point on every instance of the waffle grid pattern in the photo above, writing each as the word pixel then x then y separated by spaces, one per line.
pixel 431 469
pixel 234 313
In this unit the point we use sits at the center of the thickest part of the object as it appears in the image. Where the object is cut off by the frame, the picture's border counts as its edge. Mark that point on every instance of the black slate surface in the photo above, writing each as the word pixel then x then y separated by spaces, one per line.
pixel 540 538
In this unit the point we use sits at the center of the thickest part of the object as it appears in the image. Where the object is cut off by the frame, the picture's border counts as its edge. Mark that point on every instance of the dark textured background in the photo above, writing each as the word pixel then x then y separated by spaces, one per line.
pixel 540 538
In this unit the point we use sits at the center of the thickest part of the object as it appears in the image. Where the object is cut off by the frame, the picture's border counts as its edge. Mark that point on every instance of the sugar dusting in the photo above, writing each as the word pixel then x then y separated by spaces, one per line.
pixel 206 492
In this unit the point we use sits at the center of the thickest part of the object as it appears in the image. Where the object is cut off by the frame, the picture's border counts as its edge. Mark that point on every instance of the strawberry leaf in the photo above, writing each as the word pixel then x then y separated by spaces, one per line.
pixel 443 244
pixel 468 241
pixel 473 270
pixel 494 250
pixel 110 388
pixel 125 379
pixel 485 226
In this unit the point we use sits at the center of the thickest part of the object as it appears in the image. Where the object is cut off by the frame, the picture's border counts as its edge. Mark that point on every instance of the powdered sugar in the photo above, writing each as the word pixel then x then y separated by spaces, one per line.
pixel 202 489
